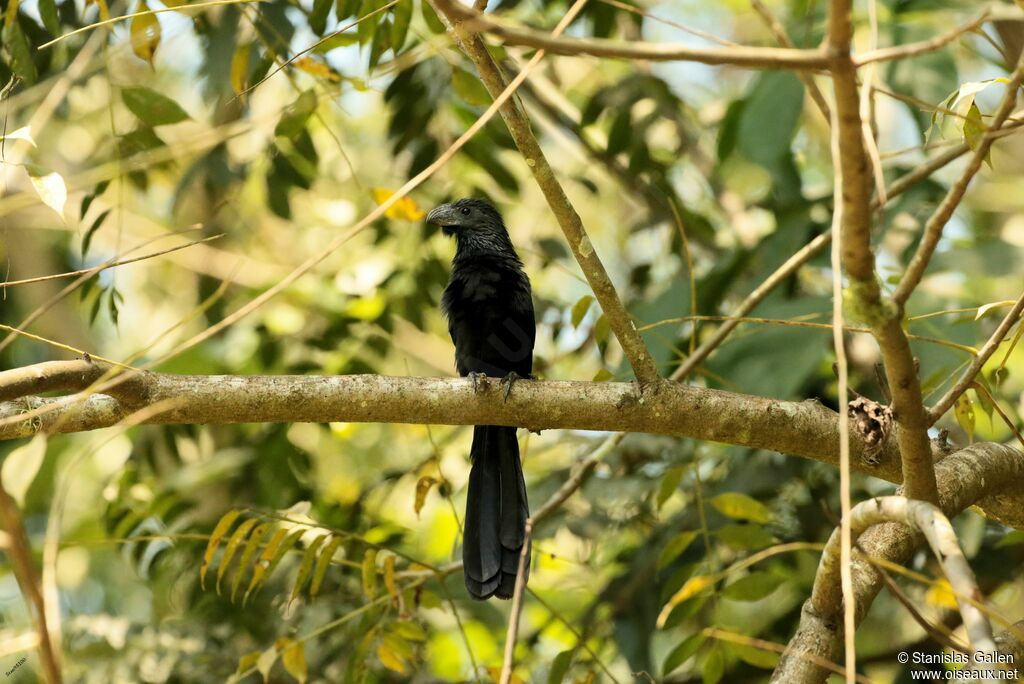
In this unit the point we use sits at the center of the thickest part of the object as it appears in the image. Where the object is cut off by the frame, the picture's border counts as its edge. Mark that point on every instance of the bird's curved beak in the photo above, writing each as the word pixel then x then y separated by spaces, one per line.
pixel 441 215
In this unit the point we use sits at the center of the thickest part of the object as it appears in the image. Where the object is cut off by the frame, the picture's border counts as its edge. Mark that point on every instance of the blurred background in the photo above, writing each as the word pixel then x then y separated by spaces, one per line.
pixel 143 135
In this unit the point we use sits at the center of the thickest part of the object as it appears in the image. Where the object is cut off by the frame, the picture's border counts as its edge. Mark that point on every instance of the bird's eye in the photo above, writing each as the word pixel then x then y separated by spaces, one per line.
pixel 464 211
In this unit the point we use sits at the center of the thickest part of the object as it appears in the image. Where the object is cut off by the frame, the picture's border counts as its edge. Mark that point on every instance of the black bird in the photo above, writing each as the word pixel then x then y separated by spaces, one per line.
pixel 490 318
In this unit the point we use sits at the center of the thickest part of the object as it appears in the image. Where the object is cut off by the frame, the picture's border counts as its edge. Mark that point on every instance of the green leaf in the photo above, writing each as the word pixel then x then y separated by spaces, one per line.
pixel 601 329
pixel 744 537
pixel 368 27
pixel 433 21
pixel 974 131
pixel 295 117
pixel 229 551
pixel 757 657
pixel 714 665
pixel 93 227
pixel 769 117
pixel 322 563
pixel 307 565
pixel 676 547
pixel 151 107
pixel 263 562
pixel 246 557
pixel 681 653
pixel 407 629
pixel 469 88
pixel 51 19
pixel 20 467
pixel 580 309
pixel 669 483
pixel 18 48
pixel 401 18
pixel 741 507
pixel 752 587
pixel 223 525
pixel 602 375
pixel 1014 538
pixel 620 132
pixel 560 667
pixel 318 17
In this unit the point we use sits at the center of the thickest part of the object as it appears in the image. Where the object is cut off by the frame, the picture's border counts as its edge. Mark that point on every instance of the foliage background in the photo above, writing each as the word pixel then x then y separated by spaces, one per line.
pixel 279 171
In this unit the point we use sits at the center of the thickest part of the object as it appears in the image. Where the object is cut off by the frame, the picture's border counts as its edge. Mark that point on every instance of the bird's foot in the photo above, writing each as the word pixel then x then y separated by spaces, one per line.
pixel 476 378
pixel 508 381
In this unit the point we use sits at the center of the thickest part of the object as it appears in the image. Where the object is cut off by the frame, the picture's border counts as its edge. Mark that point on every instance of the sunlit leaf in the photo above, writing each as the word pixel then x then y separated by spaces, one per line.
pixel 407 629
pixel 964 412
pixel 151 107
pixel 247 553
pixel 265 663
pixel 389 579
pixel 693 586
pixel 50 188
pixel 991 306
pixel 322 563
pixel 239 75
pixel 23 133
pixel 940 594
pixel 293 657
pixel 369 572
pixel 229 551
pixel 263 562
pixel 974 131
pixel 741 507
pixel 391 660
pixel 404 209
pixel 316 68
pixel 221 529
pixel 423 486
pixel 144 31
pixel 20 467
pixel 308 559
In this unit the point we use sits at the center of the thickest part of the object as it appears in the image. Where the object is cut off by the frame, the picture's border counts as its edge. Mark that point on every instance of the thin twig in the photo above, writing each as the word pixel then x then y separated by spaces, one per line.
pixel 512 634
pixel 754 57
pixel 989 348
pixel 924 46
pixel 937 221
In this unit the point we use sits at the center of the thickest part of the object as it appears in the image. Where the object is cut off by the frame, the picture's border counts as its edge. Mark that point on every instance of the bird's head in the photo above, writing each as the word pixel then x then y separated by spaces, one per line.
pixel 465 217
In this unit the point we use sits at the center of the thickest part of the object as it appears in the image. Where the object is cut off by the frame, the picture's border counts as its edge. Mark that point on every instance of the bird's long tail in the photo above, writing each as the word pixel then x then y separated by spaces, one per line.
pixel 496 513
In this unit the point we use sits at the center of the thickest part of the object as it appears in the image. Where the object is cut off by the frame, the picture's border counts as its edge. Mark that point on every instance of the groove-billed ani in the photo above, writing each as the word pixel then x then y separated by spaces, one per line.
pixel 490 318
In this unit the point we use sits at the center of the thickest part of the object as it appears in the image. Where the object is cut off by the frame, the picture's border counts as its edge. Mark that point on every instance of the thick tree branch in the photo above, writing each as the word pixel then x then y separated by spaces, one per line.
pixel 865 293
pixel 619 319
pixel 963 477
pixel 804 428
pixel 753 57
pixel 924 519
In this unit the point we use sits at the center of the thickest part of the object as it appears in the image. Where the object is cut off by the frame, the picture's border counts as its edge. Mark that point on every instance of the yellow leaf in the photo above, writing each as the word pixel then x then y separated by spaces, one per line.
pixel 322 563
pixel 370 573
pixel 307 565
pixel 422 489
pixel 742 507
pixel 941 594
pixel 693 586
pixel 389 578
pixel 315 68
pixel 145 34
pixel 404 209
pixel 240 68
pixel 223 525
pixel 229 551
pixel 390 659
pixel 293 657
pixel 964 412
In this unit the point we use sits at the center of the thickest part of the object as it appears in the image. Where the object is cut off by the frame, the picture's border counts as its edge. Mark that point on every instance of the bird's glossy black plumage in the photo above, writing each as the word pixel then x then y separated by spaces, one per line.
pixel 490 318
